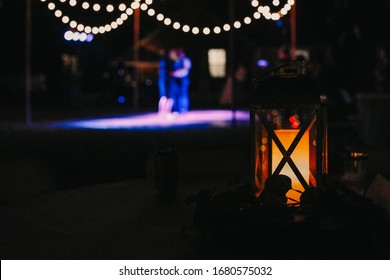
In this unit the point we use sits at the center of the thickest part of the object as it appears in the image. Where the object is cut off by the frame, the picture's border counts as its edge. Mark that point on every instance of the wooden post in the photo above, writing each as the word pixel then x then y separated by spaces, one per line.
pixel 231 60
pixel 293 31
pixel 137 15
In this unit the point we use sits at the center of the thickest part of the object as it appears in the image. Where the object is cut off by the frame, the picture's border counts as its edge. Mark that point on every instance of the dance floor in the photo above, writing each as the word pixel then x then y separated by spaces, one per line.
pixel 152 120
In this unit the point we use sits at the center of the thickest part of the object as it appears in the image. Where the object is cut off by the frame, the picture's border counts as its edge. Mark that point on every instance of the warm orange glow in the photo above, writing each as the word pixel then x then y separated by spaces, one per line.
pixel 300 156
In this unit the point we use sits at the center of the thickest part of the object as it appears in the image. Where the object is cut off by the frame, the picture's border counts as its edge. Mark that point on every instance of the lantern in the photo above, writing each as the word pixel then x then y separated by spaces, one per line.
pixel 288 130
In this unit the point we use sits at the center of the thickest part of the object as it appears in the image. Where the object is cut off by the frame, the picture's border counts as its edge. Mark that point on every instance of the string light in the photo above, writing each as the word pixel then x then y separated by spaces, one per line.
pixel 96 7
pixel 160 17
pixel 107 27
pixel 247 20
pixel 124 17
pixel 167 21
pixel 144 7
pixel 110 8
pixel 51 6
pixel 73 24
pixel 195 30
pixel 80 27
pixel 264 10
pixel 176 25
pixel 129 11
pixel 273 12
pixel 65 19
pixel 135 5
pixel 256 15
pixel 151 12
pixel 122 7
pixel 186 28
pixel 255 3
pixel 77 36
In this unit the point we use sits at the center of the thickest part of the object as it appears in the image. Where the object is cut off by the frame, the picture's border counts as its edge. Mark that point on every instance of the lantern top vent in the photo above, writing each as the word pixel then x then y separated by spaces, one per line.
pixel 288 84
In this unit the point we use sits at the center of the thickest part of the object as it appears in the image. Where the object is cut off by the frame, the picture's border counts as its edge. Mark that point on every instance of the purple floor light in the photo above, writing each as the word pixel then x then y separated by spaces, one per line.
pixel 205 118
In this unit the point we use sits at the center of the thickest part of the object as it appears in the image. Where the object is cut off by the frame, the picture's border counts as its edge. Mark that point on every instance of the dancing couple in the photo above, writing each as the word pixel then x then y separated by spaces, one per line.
pixel 174 82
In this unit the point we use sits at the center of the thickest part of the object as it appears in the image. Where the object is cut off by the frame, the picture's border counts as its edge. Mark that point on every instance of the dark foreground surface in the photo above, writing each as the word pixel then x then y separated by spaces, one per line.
pixel 90 194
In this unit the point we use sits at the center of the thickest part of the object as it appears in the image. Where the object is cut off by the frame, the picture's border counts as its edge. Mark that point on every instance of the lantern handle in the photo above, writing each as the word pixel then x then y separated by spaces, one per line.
pixel 269 73
pixel 294 68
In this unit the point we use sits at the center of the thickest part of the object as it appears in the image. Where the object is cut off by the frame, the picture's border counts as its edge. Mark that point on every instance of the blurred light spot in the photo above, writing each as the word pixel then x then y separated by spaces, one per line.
pixel 148 82
pixel 121 99
pixel 263 63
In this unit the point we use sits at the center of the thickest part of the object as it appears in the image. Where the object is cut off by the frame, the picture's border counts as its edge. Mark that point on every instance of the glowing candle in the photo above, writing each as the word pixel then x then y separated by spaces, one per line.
pixel 300 156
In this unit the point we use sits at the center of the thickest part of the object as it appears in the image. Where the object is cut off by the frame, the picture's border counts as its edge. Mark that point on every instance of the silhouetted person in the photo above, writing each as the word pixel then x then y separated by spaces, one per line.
pixel 276 187
pixel 164 105
pixel 178 80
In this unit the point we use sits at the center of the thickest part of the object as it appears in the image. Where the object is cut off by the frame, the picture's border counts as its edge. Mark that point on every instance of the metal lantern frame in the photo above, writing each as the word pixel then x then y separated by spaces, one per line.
pixel 288 89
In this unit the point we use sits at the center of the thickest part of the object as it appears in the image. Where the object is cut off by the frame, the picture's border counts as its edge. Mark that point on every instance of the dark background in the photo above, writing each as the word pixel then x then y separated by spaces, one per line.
pixel 342 37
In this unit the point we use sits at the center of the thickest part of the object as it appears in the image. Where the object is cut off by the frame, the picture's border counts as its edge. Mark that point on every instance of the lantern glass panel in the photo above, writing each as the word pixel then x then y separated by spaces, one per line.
pixel 286 144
